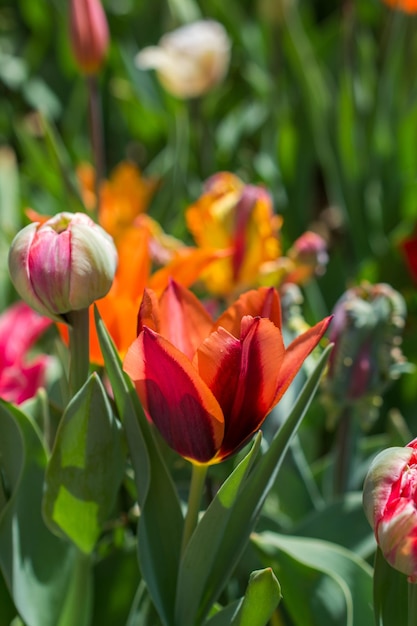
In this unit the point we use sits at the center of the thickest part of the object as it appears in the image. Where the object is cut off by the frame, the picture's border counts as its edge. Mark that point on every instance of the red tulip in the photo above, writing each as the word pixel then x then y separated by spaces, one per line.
pixel 209 386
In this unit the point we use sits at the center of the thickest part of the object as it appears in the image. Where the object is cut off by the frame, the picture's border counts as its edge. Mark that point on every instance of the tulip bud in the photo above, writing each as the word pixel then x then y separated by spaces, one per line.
pixel 367 332
pixel 389 496
pixel 309 255
pixel 190 60
pixel 89 34
pixel 62 265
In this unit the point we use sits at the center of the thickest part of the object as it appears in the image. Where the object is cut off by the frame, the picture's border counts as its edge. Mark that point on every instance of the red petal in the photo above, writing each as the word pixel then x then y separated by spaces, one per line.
pixel 242 375
pixel 183 319
pixel 296 354
pixel 177 400
pixel 262 302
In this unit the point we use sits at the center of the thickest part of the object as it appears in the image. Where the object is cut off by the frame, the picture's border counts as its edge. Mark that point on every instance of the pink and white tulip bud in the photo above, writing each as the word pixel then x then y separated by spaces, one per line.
pixel 62 265
pixel 190 60
pixel 389 500
pixel 89 34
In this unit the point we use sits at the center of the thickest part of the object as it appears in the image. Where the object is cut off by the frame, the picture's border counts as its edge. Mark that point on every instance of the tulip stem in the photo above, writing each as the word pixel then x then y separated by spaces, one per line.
pixel 412 604
pixel 77 607
pixel 194 500
pixel 79 349
pixel 96 134
pixel 345 449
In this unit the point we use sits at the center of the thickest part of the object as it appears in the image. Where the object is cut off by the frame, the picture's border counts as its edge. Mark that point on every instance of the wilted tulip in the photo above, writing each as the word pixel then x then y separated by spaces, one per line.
pixel 367 333
pixel 62 265
pixel 89 34
pixel 190 60
pixel 389 499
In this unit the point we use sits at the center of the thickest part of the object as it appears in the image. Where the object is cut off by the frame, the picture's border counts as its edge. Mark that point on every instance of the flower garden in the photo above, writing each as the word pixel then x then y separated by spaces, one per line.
pixel 208 313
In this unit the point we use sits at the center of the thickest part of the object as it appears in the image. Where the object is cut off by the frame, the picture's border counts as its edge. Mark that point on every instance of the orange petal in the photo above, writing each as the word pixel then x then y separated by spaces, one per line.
pixel 186 267
pixel 296 354
pixel 175 397
pixel 262 302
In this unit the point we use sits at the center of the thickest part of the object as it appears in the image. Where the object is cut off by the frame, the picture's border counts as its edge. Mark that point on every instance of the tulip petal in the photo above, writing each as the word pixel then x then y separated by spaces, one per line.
pixel 176 399
pixel 262 302
pixel 296 353
pixel 242 375
pixel 183 319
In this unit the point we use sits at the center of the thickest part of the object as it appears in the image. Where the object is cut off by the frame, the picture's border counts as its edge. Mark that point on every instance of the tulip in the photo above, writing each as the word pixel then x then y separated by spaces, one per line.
pixel 209 386
pixel 389 499
pixel 62 265
pixel 20 328
pixel 408 6
pixel 190 60
pixel 240 219
pixel 366 358
pixel 89 34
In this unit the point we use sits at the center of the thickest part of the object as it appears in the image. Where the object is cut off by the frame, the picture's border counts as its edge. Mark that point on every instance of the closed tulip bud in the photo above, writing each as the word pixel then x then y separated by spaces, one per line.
pixel 89 34
pixel 62 265
pixel 190 60
pixel 309 255
pixel 389 497
pixel 367 333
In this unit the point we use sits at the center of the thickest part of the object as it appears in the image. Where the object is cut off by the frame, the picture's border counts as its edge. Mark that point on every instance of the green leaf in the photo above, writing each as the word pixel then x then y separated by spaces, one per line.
pixel 224 529
pixel 390 593
pixel 36 565
pixel 86 467
pixel 336 585
pixel 161 520
pixel 261 598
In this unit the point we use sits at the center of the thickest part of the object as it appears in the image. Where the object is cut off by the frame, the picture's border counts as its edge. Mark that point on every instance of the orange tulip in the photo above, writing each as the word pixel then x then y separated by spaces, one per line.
pixel 408 6
pixel 238 219
pixel 209 386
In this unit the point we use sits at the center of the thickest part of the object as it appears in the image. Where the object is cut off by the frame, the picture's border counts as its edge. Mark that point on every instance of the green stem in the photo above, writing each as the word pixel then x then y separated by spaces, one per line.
pixel 96 134
pixel 345 446
pixel 79 349
pixel 412 604
pixel 194 500
pixel 77 607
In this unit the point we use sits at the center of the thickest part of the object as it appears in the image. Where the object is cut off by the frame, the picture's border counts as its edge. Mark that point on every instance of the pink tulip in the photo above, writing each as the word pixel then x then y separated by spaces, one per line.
pixel 20 327
pixel 389 498
pixel 89 34
pixel 62 265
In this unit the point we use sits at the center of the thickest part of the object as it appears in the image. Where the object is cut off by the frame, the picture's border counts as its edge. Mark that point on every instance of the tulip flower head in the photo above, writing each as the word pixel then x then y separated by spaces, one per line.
pixel 21 377
pixel 366 358
pixel 239 219
pixel 62 265
pixel 208 386
pixel 190 60
pixel 389 499
pixel 89 34
pixel 408 6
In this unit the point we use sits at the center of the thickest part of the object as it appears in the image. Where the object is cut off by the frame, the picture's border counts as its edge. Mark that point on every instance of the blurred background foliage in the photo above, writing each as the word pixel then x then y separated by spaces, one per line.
pixel 319 105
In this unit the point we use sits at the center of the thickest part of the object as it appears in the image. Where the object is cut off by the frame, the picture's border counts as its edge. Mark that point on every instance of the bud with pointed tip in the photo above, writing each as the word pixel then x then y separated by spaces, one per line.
pixel 89 34
pixel 62 265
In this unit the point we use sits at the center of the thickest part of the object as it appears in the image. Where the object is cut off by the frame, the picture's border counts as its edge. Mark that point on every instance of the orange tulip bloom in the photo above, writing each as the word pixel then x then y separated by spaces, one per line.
pixel 209 386
pixel 238 219
pixel 408 6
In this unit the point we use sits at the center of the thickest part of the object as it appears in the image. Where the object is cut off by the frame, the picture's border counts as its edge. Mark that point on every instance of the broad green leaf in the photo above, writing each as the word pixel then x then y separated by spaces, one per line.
pixel 223 616
pixel 36 565
pixel 161 520
pixel 390 594
pixel 224 529
pixel 261 598
pixel 337 583
pixel 86 467
pixel 343 522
